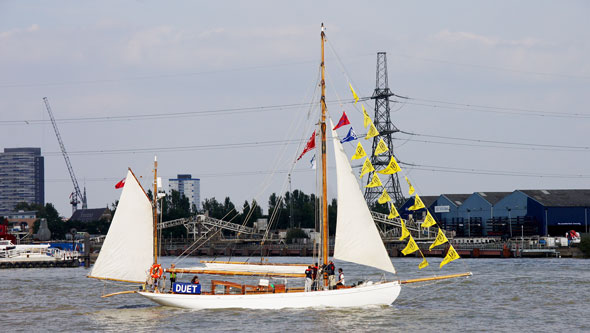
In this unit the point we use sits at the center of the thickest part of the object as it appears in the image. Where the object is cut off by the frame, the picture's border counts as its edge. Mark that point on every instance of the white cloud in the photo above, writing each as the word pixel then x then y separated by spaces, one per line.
pixel 171 47
pixel 16 31
pixel 143 44
pixel 211 32
pixel 461 36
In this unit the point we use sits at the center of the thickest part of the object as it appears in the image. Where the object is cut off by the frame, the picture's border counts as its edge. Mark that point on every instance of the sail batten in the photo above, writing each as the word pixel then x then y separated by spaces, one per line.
pixel 127 254
pixel 357 237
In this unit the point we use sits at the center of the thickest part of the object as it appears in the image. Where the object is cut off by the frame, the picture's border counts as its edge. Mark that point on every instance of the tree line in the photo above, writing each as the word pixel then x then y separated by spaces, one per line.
pixel 295 210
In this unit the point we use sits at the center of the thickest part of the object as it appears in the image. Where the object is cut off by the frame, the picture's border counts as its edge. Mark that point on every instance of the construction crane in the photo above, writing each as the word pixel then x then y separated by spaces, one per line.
pixel 76 196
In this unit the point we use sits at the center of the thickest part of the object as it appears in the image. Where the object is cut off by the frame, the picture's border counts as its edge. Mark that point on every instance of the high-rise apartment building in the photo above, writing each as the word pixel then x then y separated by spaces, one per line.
pixel 190 187
pixel 22 177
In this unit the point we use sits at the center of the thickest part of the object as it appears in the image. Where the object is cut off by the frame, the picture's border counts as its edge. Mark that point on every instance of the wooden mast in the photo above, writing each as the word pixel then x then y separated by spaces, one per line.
pixel 324 204
pixel 155 209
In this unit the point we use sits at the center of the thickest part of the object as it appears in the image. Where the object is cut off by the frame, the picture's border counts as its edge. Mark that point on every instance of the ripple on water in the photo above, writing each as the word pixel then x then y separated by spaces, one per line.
pixel 503 295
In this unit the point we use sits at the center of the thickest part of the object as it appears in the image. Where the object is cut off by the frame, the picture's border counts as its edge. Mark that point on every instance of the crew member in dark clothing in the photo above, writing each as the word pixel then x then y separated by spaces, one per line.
pixel 314 275
pixel 331 278
pixel 308 278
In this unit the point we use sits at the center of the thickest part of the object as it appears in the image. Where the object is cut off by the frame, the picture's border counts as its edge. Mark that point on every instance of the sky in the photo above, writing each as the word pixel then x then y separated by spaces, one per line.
pixel 226 91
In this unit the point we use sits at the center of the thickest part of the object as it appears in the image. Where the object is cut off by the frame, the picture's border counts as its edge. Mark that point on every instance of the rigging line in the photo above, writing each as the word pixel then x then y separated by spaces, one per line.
pixel 348 78
pixel 290 133
pixel 497 142
pixel 181 258
pixel 274 217
pixel 339 62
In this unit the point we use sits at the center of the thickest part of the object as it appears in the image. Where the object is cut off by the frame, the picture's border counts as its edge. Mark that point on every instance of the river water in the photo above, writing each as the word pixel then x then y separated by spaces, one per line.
pixel 519 295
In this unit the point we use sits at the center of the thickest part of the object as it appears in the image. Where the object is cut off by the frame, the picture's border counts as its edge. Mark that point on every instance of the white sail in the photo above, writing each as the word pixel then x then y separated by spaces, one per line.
pixel 357 237
pixel 254 267
pixel 127 252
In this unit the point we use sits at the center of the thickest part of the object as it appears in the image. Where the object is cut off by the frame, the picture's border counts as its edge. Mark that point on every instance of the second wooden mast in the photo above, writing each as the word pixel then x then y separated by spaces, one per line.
pixel 324 205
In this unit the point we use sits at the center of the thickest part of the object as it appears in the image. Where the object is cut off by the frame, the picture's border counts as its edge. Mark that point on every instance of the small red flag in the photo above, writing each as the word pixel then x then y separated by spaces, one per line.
pixel 343 121
pixel 309 146
pixel 120 184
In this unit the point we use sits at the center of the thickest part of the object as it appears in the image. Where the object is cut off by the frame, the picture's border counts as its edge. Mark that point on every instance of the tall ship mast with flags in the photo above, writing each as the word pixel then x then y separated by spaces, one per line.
pixel 357 240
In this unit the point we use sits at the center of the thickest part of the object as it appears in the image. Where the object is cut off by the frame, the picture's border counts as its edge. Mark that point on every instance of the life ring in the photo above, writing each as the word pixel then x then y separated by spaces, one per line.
pixel 156 271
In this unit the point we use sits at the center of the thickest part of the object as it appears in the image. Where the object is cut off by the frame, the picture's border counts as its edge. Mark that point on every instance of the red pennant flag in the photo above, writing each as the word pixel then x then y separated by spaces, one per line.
pixel 309 146
pixel 120 184
pixel 343 121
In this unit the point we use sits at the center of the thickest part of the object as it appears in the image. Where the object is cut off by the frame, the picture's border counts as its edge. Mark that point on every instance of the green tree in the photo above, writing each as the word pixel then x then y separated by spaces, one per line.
pixel 332 214
pixel 250 214
pixel 175 206
pixel 225 211
pixel 303 208
pixel 281 216
pixel 55 224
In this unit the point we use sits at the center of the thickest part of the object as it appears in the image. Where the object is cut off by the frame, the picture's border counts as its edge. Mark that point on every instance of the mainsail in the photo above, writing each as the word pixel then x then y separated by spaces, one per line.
pixel 357 237
pixel 127 252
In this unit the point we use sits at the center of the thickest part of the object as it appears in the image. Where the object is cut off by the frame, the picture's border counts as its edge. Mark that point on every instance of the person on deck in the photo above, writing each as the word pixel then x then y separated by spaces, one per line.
pixel 308 278
pixel 314 276
pixel 196 282
pixel 340 278
pixel 331 277
pixel 155 284
pixel 172 276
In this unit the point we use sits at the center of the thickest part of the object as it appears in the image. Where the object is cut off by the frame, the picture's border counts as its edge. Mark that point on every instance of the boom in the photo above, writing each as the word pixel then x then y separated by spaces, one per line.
pixel 77 195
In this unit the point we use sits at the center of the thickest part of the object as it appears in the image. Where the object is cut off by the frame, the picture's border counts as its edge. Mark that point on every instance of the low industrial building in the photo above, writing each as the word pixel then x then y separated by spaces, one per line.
pixel 507 214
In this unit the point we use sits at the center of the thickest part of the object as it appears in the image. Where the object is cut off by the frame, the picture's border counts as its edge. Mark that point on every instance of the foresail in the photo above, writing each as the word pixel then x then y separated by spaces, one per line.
pixel 357 237
pixel 127 252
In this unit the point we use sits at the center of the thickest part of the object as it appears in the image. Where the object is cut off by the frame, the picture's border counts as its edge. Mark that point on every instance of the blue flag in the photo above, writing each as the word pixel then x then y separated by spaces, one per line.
pixel 351 136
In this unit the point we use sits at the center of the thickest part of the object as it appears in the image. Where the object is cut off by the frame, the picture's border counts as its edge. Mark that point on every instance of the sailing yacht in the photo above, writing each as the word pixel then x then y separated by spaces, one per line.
pixel 357 241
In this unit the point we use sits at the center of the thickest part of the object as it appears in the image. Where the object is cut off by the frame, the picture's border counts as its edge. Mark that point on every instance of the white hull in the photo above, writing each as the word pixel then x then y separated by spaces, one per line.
pixel 375 294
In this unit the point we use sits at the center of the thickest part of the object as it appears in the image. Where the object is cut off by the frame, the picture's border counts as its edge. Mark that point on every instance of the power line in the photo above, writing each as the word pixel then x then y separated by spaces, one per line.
pixel 211 112
pixel 257 144
pixel 438 168
pixel 500 110
pixel 546 146
pixel 496 68
pixel 264 108
pixel 150 77
pixel 180 148
pixel 487 146
pixel 413 166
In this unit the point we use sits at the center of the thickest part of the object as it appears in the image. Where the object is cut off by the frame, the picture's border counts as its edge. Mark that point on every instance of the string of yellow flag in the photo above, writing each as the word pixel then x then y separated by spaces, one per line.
pixel 392 168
